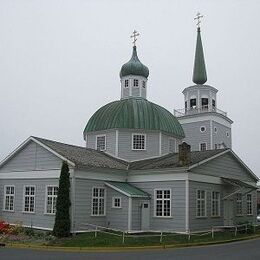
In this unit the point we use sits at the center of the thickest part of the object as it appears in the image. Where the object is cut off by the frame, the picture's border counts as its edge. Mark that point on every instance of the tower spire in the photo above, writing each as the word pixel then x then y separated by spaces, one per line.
pixel 199 69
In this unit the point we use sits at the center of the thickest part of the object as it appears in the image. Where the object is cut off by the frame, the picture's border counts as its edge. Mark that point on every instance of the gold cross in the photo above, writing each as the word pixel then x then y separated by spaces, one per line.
pixel 198 16
pixel 134 35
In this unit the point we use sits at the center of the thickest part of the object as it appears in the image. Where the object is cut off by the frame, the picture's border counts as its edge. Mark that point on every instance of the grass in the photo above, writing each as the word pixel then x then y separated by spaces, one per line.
pixel 108 240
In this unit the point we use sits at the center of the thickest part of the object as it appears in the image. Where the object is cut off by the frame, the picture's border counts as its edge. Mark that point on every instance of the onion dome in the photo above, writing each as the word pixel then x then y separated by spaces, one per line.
pixel 134 67
pixel 199 70
pixel 134 113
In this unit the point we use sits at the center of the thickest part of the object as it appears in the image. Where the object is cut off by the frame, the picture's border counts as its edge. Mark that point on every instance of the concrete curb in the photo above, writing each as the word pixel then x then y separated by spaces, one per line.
pixel 128 248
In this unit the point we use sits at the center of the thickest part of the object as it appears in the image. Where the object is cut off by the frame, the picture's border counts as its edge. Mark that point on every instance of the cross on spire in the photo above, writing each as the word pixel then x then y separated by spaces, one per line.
pixel 134 35
pixel 198 17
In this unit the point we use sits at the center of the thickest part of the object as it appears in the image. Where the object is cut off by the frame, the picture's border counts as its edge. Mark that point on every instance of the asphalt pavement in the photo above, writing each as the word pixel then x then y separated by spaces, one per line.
pixel 238 251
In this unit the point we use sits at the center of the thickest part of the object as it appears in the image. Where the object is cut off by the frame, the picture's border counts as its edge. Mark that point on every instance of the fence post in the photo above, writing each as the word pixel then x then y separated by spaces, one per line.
pixel 254 228
pixel 96 232
pixel 123 238
pixel 189 236
pixel 246 228
pixel 161 237
pixel 212 233
pixel 235 231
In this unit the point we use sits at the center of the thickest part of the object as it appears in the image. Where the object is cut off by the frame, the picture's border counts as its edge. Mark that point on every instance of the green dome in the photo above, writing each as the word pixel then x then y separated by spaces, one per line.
pixel 134 67
pixel 134 113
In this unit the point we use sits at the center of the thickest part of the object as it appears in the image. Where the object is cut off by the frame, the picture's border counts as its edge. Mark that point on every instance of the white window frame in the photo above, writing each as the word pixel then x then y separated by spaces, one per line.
pixel 133 134
pixel 204 130
pixel 212 204
pixel 98 197
pixel 96 146
pixel 34 206
pixel 53 212
pixel 249 204
pixel 240 203
pixel 114 200
pixel 200 146
pixel 136 80
pixel 163 199
pixel 205 203
pixel 8 195
pixel 126 83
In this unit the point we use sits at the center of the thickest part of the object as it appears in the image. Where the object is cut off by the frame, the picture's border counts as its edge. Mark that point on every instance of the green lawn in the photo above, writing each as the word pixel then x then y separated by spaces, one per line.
pixel 108 240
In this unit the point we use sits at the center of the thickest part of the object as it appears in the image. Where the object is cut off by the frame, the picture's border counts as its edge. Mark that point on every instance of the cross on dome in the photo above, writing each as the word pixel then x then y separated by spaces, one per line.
pixel 134 35
pixel 198 17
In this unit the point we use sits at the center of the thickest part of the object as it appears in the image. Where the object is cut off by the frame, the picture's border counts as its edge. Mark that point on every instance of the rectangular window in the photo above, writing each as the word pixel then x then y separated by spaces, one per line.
pixel 29 199
pixel 138 142
pixel 213 103
pixel 201 203
pixel 171 145
pixel 143 84
pixel 98 202
pixel 249 204
pixel 101 142
pixel 193 103
pixel 203 146
pixel 215 200
pixel 162 203
pixel 126 83
pixel 116 202
pixel 204 103
pixel 51 199
pixel 9 198
pixel 239 204
pixel 136 82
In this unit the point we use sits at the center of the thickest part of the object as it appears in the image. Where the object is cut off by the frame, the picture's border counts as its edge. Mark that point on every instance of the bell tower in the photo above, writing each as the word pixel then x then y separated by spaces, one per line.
pixel 206 127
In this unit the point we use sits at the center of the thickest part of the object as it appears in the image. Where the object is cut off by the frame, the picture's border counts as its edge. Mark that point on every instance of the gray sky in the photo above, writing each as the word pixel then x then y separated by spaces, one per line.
pixel 60 61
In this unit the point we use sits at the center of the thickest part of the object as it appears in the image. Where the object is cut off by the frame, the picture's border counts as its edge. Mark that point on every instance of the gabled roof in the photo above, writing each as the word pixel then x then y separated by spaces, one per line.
pixel 172 160
pixel 77 156
pixel 128 189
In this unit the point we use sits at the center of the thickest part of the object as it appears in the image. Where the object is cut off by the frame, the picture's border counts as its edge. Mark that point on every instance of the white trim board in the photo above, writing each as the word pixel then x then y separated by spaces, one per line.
pixel 50 174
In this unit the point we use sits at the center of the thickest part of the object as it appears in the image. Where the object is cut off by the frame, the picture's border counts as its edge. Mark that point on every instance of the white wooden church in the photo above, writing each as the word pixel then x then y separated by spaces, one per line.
pixel 142 168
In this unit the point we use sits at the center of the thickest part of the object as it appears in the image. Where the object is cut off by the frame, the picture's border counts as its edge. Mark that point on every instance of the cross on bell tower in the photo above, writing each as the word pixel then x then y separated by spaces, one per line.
pixel 198 17
pixel 134 36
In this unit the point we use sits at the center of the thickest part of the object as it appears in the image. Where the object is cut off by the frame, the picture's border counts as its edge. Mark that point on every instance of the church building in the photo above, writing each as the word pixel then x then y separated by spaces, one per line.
pixel 142 168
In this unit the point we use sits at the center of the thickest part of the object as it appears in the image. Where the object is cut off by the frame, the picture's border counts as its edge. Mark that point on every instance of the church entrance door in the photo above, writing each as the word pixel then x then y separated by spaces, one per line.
pixel 228 212
pixel 145 215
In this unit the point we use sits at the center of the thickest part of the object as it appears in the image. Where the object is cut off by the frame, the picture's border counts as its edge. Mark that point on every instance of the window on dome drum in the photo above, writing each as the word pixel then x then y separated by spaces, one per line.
pixel 227 134
pixel 126 83
pixel 51 199
pixel 138 142
pixel 162 203
pixel 116 202
pixel 249 204
pixel 239 204
pixel 193 103
pixel 9 198
pixel 101 143
pixel 186 104
pixel 201 203
pixel 202 129
pixel 143 84
pixel 215 129
pixel 136 82
pixel 98 202
pixel 204 103
pixel 29 199
pixel 203 146
pixel 215 207
pixel 213 103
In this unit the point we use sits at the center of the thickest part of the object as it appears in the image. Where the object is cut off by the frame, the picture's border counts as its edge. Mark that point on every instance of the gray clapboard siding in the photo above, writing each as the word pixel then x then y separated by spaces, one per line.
pixel 224 166
pixel 83 204
pixel 110 140
pixel 220 136
pixel 177 221
pixel 117 217
pixel 39 218
pixel 193 135
pixel 32 157
pixel 205 223
pixel 125 145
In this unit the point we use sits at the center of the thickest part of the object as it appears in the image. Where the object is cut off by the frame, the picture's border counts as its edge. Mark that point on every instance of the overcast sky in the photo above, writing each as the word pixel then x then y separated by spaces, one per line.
pixel 60 61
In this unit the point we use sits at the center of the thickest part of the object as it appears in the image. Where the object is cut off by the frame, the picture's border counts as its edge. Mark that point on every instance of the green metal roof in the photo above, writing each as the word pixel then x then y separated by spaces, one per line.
pixel 134 113
pixel 199 70
pixel 128 189
pixel 134 67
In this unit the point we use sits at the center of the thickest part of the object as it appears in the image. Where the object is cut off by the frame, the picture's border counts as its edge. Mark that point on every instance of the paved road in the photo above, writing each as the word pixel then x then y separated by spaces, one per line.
pixel 237 251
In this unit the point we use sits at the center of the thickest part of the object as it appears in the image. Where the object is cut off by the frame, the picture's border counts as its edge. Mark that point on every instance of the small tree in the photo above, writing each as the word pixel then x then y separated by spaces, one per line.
pixel 62 218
